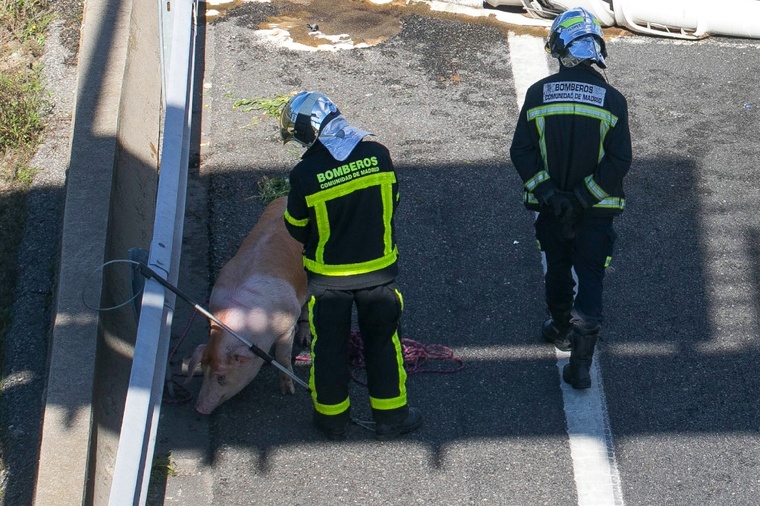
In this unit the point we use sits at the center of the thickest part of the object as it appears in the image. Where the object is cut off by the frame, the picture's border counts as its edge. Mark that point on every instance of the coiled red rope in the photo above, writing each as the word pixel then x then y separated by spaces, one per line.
pixel 418 357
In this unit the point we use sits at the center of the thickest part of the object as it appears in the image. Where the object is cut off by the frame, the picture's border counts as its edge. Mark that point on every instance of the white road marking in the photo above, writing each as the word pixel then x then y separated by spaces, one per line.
pixel 588 428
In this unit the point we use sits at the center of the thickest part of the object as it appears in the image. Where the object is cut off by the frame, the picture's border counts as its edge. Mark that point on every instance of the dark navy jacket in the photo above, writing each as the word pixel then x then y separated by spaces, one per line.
pixel 572 135
pixel 343 214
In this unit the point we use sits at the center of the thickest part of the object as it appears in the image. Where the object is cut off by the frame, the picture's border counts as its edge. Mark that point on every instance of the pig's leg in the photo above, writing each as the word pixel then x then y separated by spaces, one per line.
pixel 303 332
pixel 283 350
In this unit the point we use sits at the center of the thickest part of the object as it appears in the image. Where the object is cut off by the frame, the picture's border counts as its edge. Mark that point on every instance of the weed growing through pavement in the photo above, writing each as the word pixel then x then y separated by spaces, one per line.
pixel 271 188
pixel 269 106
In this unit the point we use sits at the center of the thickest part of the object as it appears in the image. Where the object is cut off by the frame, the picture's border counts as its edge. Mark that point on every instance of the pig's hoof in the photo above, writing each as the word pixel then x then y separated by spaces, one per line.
pixel 287 387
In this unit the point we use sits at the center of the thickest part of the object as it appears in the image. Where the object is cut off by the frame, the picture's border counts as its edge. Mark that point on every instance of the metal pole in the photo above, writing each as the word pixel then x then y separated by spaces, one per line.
pixel 150 273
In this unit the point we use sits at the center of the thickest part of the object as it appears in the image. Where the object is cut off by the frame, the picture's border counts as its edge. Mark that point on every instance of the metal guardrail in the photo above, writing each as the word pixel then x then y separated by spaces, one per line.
pixel 134 456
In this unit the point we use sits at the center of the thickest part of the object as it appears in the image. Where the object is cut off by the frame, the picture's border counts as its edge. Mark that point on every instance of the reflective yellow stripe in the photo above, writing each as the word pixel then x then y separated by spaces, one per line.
pixel 318 201
pixel 611 203
pixel 314 337
pixel 400 400
pixel 607 203
pixel 573 109
pixel 295 222
pixel 323 227
pixel 540 127
pixel 593 188
pixel 386 193
pixel 330 409
pixel 529 198
pixel 536 180
pixel 351 186
pixel 351 269
pixel 385 404
pixel 604 128
pixel 325 409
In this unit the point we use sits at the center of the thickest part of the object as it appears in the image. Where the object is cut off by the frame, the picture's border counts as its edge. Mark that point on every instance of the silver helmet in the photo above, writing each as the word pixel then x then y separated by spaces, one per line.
pixel 303 116
pixel 310 115
pixel 576 36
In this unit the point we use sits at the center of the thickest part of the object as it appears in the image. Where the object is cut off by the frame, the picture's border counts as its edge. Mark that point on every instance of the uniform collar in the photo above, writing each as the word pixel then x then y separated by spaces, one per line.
pixel 582 68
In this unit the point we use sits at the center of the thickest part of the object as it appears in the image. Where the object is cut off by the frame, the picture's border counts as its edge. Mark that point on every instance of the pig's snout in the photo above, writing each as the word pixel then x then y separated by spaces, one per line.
pixel 205 408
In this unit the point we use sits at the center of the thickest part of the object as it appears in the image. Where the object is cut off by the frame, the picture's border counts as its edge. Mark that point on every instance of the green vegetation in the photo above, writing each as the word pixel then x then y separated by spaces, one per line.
pixel 163 467
pixel 22 28
pixel 270 106
pixel 271 188
pixel 25 104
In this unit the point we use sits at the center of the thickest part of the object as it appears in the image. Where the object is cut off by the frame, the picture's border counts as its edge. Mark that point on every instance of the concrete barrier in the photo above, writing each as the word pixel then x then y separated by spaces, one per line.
pixel 110 199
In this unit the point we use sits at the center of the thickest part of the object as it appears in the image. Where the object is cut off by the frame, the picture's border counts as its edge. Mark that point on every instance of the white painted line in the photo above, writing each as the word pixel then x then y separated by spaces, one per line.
pixel 596 476
pixel 597 480
pixel 512 352
pixel 528 63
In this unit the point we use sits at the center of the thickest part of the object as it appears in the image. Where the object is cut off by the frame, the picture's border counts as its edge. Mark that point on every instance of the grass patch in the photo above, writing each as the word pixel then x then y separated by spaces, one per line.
pixel 25 102
pixel 163 467
pixel 269 106
pixel 25 22
pixel 22 121
pixel 271 188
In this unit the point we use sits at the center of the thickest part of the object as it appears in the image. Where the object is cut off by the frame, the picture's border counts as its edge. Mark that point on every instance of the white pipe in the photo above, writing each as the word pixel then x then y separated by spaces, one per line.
pixel 601 9
pixel 690 19
pixel 497 3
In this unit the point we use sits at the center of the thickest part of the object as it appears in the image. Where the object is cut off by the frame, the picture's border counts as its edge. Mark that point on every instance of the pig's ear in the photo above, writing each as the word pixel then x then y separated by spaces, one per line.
pixel 194 365
pixel 242 356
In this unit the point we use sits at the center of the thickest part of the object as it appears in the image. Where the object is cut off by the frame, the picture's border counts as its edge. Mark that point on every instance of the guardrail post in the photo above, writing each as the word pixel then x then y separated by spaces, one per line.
pixel 140 422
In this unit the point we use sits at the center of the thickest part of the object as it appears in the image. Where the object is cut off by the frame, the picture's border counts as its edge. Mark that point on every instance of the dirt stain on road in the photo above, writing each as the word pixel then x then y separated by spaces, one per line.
pixel 316 23
pixel 363 22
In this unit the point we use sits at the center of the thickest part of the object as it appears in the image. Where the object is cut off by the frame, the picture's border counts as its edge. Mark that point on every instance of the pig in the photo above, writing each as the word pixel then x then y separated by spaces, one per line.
pixel 260 294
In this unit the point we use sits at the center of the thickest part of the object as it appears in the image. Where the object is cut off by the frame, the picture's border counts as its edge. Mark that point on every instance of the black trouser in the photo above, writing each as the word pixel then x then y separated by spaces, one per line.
pixel 379 311
pixel 589 253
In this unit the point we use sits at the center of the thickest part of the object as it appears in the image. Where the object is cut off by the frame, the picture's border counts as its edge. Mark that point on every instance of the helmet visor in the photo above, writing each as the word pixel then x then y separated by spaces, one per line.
pixel 302 117
pixel 287 127
pixel 583 48
pixel 289 115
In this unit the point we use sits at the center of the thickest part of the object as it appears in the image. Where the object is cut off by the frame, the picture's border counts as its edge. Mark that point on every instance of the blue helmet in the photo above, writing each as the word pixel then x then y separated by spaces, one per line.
pixel 576 36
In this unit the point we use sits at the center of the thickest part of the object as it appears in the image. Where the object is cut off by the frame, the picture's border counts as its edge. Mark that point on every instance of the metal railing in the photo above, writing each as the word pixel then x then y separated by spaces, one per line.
pixel 143 403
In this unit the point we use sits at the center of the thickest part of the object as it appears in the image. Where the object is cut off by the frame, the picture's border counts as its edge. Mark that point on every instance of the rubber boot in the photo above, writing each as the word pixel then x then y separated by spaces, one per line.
pixel 577 373
pixel 333 427
pixel 392 424
pixel 556 330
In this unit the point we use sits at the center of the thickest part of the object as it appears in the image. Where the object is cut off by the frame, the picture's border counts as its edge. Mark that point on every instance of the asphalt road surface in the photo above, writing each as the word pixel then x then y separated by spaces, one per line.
pixel 681 338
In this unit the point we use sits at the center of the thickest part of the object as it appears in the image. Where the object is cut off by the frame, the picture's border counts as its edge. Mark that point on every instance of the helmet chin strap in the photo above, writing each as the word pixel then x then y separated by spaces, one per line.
pixel 604 73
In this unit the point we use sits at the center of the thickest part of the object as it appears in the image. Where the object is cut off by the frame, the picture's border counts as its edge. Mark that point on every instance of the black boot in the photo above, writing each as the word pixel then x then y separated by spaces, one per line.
pixel 577 373
pixel 392 424
pixel 332 426
pixel 556 330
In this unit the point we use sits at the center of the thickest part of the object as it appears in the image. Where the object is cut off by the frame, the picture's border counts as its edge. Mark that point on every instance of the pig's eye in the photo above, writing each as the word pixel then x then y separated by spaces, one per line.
pixel 221 379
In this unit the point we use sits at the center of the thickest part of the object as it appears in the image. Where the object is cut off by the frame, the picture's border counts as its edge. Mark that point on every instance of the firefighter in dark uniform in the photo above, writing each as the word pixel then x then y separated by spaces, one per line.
pixel 572 149
pixel 341 205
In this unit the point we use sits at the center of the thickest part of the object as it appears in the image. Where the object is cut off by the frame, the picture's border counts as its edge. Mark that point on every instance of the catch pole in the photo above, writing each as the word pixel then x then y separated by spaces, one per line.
pixel 150 273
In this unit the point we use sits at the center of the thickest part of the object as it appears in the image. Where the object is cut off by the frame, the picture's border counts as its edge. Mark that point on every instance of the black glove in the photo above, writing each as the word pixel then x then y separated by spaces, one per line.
pixel 562 205
pixel 567 208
